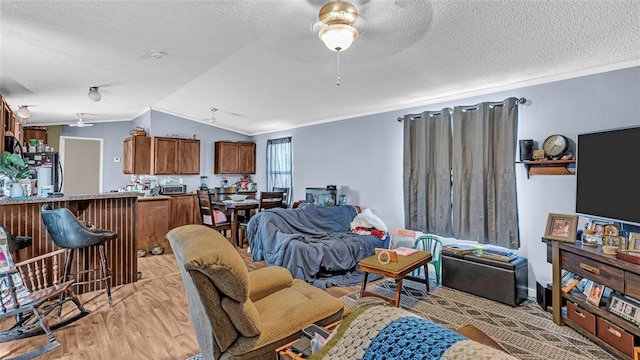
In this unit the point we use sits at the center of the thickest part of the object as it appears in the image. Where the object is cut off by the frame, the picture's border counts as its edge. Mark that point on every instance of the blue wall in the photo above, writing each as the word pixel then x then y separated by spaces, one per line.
pixel 363 155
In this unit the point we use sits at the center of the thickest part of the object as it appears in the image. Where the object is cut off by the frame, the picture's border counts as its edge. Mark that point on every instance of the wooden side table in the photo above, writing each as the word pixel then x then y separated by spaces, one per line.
pixel 284 352
pixel 395 270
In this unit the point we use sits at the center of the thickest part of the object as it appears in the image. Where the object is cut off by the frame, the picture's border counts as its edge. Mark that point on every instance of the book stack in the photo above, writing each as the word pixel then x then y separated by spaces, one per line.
pixel 460 249
pixel 504 255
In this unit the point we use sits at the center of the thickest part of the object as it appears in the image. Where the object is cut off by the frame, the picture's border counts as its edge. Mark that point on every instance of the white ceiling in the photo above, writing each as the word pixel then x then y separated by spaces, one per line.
pixel 258 62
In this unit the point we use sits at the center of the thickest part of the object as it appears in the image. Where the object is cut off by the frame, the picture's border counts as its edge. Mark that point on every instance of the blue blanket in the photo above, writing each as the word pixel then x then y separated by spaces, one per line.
pixel 389 333
pixel 313 242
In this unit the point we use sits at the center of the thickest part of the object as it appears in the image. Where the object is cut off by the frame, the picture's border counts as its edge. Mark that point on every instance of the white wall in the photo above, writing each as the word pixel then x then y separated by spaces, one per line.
pixel 365 153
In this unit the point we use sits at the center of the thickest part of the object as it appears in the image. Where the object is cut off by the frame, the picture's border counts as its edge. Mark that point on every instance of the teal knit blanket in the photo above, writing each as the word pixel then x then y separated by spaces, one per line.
pixel 384 332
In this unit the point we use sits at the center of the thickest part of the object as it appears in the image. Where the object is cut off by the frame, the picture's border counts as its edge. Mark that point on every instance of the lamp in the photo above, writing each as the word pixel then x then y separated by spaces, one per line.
pixel 94 94
pixel 338 26
pixel 23 112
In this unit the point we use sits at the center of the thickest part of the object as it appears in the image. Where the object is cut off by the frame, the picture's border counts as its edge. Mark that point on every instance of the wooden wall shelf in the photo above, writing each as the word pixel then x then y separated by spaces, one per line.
pixel 548 167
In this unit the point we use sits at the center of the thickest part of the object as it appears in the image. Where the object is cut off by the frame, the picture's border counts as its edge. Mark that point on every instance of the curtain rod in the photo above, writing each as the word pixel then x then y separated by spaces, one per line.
pixel 418 116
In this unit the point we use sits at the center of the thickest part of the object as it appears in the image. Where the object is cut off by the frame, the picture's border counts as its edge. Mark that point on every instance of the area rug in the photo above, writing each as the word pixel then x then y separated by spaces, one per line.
pixel 526 331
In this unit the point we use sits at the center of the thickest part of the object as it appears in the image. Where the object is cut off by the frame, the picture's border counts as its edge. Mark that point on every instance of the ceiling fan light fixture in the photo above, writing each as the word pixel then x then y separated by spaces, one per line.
pixel 94 94
pixel 339 25
pixel 23 112
pixel 338 37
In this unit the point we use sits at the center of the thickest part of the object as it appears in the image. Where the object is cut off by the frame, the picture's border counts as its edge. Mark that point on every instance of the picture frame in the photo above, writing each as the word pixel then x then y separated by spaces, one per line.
pixel 624 307
pixel 611 230
pixel 595 294
pixel 598 226
pixel 561 227
pixel 634 241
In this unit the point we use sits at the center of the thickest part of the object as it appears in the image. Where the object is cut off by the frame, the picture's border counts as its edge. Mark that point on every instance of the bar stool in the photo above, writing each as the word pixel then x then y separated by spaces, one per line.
pixel 68 233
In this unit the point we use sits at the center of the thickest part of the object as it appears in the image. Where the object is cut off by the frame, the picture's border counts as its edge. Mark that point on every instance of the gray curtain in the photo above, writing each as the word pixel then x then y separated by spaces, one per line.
pixel 427 172
pixel 484 181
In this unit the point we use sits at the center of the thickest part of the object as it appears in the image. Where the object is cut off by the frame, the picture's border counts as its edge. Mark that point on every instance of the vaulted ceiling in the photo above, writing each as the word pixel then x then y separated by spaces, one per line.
pixel 259 63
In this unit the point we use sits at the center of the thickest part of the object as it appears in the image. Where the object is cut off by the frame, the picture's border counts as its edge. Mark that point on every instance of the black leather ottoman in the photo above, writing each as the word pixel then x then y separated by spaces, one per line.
pixel 495 280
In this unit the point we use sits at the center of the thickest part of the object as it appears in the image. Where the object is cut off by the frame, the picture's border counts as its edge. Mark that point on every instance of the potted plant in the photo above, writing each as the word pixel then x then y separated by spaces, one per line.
pixel 13 167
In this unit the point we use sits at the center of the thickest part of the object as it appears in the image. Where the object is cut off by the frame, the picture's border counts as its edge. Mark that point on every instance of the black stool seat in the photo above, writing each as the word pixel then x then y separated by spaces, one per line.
pixel 69 233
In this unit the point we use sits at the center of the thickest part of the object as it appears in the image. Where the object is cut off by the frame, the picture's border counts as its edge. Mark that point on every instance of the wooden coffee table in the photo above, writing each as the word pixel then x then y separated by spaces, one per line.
pixel 395 270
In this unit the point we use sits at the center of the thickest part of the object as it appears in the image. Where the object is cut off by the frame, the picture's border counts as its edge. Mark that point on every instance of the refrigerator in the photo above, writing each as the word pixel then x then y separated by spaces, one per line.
pixel 46 159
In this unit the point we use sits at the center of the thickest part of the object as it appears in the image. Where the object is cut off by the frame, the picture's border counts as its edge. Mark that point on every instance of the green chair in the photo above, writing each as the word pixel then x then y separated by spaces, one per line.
pixel 432 244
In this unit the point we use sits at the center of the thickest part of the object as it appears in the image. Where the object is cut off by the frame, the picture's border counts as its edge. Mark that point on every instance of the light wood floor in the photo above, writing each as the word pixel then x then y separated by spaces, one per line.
pixel 149 319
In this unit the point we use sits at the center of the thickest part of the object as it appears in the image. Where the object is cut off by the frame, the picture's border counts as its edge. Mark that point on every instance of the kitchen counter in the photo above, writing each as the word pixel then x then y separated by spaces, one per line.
pixel 153 198
pixel 113 211
pixel 36 199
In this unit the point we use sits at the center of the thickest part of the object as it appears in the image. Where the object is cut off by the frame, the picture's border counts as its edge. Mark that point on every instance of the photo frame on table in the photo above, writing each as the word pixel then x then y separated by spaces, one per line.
pixel 634 241
pixel 561 227
pixel 624 307
pixel 598 226
pixel 595 294
pixel 611 230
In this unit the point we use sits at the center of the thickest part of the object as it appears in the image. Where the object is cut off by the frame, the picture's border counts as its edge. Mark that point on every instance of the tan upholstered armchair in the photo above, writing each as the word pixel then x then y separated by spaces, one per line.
pixel 239 314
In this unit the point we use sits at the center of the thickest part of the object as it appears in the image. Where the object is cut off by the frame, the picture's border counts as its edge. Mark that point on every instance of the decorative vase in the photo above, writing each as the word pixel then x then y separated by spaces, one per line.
pixel 16 190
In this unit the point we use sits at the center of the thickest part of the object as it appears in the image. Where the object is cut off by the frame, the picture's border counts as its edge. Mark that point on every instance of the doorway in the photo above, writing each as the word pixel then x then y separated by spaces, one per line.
pixel 81 162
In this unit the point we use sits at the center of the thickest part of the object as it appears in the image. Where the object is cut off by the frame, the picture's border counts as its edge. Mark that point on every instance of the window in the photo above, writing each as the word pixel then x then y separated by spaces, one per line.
pixel 279 163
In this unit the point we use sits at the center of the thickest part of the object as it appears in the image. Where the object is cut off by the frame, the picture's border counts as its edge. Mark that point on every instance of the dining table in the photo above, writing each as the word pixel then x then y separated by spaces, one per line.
pixel 233 208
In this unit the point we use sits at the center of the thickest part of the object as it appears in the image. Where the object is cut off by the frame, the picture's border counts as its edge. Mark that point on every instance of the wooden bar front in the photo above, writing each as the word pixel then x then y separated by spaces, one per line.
pixel 112 211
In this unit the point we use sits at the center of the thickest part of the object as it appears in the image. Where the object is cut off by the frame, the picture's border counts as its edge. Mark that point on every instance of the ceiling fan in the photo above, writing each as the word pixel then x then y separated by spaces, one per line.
pixel 80 122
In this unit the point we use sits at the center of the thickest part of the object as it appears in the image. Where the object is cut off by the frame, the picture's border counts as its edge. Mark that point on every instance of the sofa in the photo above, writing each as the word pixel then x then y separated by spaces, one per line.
pixel 315 243
pixel 238 314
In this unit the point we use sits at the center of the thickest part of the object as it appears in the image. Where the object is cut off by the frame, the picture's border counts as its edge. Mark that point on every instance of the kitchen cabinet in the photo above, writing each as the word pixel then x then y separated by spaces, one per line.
pixel 235 157
pixel 161 156
pixel 189 156
pixel 183 210
pixel 137 155
pixel 35 132
pixel 153 222
pixel 175 156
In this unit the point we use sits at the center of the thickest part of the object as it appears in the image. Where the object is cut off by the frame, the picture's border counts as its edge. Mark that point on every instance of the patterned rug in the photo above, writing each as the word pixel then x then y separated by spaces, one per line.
pixel 526 331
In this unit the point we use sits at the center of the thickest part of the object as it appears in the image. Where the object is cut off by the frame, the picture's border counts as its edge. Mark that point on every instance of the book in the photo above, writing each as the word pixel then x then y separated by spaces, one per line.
pixel 405 251
pixel 496 257
pixel 497 251
pixel 571 284
pixel 460 249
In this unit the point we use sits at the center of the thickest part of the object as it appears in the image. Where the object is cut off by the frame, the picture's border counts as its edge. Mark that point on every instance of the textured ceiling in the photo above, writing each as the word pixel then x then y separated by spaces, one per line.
pixel 258 62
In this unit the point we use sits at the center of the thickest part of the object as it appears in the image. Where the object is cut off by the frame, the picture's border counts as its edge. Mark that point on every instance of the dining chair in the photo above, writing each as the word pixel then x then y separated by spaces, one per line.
pixel 285 192
pixel 271 199
pixel 208 216
pixel 433 244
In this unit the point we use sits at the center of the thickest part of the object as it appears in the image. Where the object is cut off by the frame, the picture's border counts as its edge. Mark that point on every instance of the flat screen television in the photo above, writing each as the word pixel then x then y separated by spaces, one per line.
pixel 607 186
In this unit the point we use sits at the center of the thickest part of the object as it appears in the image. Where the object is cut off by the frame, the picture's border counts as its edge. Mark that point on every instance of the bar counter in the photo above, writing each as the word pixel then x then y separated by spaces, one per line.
pixel 112 211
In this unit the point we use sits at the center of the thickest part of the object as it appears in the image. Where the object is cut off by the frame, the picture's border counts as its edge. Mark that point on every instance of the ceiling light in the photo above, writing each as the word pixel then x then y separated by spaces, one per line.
pixel 23 112
pixel 339 25
pixel 156 54
pixel 94 94
pixel 213 115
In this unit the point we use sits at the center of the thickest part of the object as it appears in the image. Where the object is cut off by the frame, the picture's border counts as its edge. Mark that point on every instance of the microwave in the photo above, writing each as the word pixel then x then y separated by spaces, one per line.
pixel 173 189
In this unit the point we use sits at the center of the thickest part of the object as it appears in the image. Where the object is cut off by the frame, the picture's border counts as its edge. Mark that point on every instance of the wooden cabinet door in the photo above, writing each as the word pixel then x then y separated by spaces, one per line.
pixel 246 158
pixel 226 158
pixel 189 156
pixel 137 155
pixel 38 133
pixel 153 224
pixel 165 156
pixel 183 210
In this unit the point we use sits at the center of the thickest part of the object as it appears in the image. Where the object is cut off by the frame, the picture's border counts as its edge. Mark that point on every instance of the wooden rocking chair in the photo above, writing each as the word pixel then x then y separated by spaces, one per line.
pixel 29 291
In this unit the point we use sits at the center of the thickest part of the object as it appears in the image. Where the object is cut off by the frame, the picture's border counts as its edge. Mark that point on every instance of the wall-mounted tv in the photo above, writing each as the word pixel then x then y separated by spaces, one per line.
pixel 607 184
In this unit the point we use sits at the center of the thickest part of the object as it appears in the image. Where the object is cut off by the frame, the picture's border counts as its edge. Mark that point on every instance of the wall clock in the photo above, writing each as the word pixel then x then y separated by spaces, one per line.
pixel 555 145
